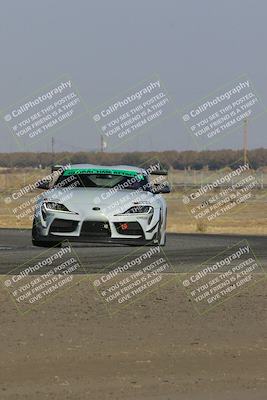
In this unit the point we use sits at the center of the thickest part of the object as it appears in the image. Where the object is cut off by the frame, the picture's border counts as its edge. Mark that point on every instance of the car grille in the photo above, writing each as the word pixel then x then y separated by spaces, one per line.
pixel 96 229
pixel 133 228
pixel 63 226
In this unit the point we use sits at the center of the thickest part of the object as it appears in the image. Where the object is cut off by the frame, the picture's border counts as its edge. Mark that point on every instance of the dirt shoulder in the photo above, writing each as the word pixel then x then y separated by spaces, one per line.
pixel 157 348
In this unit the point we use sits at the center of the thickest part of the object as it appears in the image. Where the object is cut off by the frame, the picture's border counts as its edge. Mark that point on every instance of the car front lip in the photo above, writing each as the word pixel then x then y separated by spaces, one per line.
pixel 120 241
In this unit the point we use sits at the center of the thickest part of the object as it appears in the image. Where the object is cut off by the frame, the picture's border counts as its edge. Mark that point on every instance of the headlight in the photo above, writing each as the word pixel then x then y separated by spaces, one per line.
pixel 139 210
pixel 54 206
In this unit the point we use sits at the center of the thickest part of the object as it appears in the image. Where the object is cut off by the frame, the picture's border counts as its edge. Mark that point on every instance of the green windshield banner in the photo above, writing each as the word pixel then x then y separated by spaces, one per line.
pixel 104 171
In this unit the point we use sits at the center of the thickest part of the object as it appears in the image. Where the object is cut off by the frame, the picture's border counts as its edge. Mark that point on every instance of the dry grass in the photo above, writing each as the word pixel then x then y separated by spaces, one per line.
pixel 248 218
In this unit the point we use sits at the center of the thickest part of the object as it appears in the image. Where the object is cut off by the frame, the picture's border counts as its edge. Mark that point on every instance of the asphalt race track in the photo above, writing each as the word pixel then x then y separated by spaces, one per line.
pixel 184 251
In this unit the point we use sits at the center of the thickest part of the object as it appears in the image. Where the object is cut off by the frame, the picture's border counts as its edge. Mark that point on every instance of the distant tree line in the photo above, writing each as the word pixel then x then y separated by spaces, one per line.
pixel 211 159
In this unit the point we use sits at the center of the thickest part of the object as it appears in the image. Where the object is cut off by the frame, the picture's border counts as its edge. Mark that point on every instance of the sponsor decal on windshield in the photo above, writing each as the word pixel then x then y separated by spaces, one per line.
pixel 105 171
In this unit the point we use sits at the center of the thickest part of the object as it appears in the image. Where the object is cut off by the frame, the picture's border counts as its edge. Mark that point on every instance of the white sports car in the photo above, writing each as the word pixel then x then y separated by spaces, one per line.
pixel 113 204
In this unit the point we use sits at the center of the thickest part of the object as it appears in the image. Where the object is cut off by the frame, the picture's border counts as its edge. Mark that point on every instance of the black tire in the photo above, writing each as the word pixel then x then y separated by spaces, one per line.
pixel 165 226
pixel 35 233
pixel 158 235
pixel 37 239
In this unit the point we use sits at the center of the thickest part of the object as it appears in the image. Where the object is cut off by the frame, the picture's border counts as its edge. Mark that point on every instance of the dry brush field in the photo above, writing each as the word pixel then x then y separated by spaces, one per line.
pixel 249 217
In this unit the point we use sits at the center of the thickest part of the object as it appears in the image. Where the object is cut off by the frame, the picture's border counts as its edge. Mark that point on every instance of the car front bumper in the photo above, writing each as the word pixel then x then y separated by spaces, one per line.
pixel 127 229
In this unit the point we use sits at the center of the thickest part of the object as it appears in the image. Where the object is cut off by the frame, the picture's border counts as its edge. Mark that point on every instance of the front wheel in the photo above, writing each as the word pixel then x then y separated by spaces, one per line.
pixel 37 239
pixel 161 236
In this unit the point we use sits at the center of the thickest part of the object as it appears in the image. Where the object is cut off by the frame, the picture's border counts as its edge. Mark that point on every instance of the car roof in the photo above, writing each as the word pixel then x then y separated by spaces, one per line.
pixel 118 167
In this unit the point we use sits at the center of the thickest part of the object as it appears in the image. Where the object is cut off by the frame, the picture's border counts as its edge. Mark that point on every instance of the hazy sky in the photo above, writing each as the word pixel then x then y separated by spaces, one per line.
pixel 107 47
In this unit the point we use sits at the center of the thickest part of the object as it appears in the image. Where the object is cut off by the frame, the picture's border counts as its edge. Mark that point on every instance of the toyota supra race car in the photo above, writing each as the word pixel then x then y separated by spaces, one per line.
pixel 105 204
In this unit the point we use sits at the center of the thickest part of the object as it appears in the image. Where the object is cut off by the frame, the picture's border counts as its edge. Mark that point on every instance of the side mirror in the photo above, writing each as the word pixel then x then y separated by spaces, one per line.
pixel 161 188
pixel 44 184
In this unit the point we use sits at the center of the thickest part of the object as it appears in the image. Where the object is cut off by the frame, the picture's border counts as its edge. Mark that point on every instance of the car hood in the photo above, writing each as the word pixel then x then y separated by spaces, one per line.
pixel 79 199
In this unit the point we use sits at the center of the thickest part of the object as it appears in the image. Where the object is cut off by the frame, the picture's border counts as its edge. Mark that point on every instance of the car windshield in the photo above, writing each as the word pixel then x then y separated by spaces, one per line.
pixel 104 179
